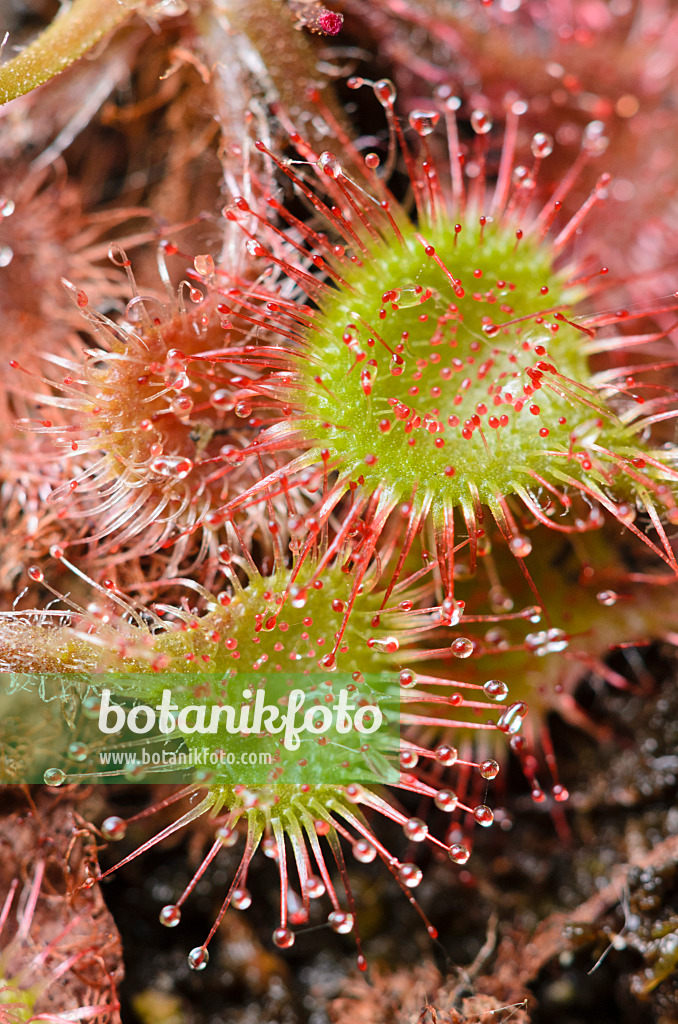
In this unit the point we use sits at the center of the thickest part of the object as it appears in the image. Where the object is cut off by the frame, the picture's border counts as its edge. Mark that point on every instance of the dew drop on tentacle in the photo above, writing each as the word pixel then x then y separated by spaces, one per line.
pixel 483 815
pixel 520 546
pixel 541 145
pixel 226 836
pixel 495 689
pixel 423 121
pixel 416 830
pixel 481 122
pixel 446 800
pixel 204 265
pixel 178 380
pixel 241 899
pixel 198 958
pixel 328 163
pixel 532 613
pixel 410 875
pixel 91 706
pixel 458 854
pixel 171 466
pixel 547 641
pixel 254 248
pixel 54 777
pixel 341 922
pixel 283 938
pixel 406 296
pixel 451 612
pixel 182 407
pixel 387 644
pixel 270 848
pixel 489 769
pixel 446 755
pixel 409 759
pixel 512 718
pixel 385 91
pixel 221 399
pixel 315 887
pixel 363 851
pixel 462 647
pixel 594 140
pixel 114 828
pixel 170 915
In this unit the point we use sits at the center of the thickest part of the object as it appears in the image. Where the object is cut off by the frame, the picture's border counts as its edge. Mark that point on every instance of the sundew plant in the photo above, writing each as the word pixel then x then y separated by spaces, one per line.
pixel 373 430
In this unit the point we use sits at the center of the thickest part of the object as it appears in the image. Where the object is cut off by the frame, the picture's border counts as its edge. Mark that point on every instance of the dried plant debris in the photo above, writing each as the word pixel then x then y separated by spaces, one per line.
pixel 60 955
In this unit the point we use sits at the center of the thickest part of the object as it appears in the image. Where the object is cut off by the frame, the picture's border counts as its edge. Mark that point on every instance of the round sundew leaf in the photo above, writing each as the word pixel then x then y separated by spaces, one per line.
pixel 444 377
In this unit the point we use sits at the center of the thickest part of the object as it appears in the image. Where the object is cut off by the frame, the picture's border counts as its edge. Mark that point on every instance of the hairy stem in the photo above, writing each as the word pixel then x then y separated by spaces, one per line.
pixel 69 36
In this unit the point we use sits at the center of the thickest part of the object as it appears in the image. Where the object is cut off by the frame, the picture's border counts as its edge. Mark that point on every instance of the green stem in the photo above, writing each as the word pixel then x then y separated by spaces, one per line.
pixel 70 35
